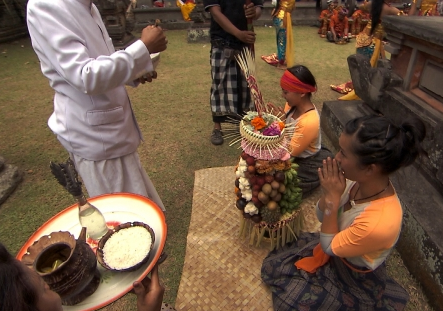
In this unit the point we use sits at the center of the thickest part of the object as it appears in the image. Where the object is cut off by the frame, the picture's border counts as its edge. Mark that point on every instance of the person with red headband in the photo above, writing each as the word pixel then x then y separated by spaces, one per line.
pixel 297 85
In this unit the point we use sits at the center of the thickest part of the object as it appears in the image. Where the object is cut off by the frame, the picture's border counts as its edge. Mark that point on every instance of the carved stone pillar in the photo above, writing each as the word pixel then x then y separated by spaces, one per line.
pixel 115 17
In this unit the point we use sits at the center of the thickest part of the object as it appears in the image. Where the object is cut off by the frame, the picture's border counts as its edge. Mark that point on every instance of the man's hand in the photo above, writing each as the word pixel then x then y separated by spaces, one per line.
pixel 147 77
pixel 149 292
pixel 246 37
pixel 154 39
pixel 249 11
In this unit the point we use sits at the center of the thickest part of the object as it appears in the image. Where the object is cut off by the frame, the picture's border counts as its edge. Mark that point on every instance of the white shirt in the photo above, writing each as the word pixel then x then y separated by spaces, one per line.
pixel 92 117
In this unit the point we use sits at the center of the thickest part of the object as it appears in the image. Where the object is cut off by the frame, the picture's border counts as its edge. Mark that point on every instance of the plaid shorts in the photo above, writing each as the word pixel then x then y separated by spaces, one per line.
pixel 230 94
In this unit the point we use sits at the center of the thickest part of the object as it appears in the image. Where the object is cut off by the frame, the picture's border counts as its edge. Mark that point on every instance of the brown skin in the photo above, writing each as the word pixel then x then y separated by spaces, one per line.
pixel 149 292
pixel 413 10
pixel 341 16
pixel 333 177
pixel 155 41
pixel 147 77
pixel 301 101
pixel 47 299
pixel 386 10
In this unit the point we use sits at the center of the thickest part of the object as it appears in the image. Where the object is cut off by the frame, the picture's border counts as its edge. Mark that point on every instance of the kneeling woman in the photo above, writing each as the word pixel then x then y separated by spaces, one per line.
pixel 297 85
pixel 343 267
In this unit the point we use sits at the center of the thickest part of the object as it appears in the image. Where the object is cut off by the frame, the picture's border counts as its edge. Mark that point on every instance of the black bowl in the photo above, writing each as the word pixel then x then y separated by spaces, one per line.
pixel 105 238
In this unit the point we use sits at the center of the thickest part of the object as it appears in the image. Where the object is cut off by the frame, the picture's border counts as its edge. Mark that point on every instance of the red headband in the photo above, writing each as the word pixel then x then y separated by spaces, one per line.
pixel 291 83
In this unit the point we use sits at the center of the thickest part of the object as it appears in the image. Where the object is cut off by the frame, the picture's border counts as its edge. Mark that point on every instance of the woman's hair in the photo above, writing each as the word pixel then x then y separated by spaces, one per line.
pixel 377 140
pixel 304 75
pixel 376 9
pixel 16 290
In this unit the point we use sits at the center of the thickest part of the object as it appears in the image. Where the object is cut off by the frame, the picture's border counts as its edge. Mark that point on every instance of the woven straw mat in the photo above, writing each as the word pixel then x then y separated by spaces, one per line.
pixel 221 271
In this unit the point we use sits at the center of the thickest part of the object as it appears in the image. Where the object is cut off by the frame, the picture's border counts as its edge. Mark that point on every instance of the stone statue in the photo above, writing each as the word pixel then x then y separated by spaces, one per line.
pixel 198 15
pixel 371 83
pixel 118 20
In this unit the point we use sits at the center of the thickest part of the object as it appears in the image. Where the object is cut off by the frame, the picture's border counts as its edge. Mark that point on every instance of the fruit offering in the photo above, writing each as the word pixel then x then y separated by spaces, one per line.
pixel 267 190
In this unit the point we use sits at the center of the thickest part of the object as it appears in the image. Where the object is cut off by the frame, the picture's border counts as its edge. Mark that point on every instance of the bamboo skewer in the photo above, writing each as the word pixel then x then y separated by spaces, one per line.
pixel 260 238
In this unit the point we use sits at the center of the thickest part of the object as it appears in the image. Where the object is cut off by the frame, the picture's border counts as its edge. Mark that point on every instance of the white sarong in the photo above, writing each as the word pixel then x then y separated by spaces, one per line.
pixel 124 174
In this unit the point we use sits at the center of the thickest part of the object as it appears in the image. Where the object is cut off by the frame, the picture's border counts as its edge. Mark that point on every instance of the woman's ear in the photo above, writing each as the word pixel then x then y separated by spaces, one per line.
pixel 372 169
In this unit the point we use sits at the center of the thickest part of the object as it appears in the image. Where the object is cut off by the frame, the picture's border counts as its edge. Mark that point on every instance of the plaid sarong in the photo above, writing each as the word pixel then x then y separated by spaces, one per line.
pixel 332 287
pixel 230 94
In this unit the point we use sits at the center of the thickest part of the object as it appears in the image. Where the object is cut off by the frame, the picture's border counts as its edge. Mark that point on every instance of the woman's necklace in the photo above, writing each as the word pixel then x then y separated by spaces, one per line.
pixel 295 112
pixel 374 195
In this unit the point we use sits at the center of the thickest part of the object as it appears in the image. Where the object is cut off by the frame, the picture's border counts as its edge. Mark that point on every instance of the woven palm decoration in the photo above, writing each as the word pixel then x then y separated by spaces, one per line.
pixel 264 140
pixel 266 185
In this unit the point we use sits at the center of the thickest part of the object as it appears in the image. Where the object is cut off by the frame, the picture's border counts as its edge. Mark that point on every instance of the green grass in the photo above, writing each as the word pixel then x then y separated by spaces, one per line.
pixel 174 115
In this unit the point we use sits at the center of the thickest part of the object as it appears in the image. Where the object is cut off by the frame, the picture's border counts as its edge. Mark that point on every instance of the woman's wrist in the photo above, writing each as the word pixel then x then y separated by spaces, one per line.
pixel 330 205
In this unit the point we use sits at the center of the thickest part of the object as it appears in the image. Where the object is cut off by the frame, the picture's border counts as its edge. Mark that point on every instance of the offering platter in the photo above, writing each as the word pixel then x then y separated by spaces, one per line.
pixel 266 184
pixel 117 208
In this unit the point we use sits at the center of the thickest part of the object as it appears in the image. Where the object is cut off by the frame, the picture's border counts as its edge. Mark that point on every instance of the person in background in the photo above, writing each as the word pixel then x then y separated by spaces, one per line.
pixel 343 267
pixel 425 8
pixel 325 17
pixel 369 41
pixel 22 289
pixel 339 27
pixel 281 17
pixel 229 95
pixel 186 7
pixel 360 18
pixel 93 117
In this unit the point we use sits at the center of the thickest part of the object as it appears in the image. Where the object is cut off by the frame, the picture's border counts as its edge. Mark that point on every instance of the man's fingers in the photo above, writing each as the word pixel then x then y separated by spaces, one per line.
pixel 329 165
pixel 325 167
pixel 334 166
pixel 139 289
pixel 155 279
pixel 320 174
pixel 147 77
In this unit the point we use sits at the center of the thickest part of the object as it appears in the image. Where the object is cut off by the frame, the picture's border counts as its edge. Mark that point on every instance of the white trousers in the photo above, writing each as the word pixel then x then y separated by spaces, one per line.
pixel 124 174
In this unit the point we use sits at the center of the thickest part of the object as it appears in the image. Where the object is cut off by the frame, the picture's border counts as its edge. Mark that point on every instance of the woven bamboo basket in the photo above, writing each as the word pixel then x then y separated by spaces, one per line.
pixel 276 234
pixel 258 139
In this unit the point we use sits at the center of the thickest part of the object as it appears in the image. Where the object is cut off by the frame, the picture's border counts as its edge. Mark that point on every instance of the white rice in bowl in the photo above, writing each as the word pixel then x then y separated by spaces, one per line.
pixel 124 249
